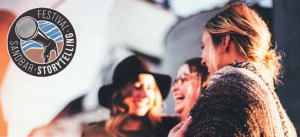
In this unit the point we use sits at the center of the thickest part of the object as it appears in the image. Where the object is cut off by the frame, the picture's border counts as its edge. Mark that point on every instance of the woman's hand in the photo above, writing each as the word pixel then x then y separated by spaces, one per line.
pixel 180 129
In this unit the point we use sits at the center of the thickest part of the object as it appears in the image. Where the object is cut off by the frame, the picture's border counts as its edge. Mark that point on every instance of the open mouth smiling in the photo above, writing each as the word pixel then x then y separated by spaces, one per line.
pixel 179 97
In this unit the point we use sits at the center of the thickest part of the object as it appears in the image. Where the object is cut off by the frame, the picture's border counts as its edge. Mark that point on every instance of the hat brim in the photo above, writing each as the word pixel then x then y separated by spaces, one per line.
pixel 163 82
pixel 105 94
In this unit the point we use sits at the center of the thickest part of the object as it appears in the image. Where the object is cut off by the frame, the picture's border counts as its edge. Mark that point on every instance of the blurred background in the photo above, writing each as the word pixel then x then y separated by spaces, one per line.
pixel 164 32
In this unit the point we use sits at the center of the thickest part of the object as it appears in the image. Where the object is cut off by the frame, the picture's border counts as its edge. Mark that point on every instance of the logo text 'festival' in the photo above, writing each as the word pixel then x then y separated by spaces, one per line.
pixel 41 42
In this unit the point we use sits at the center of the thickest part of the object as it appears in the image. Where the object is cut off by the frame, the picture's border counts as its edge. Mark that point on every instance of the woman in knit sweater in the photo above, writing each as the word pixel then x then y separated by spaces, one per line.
pixel 240 99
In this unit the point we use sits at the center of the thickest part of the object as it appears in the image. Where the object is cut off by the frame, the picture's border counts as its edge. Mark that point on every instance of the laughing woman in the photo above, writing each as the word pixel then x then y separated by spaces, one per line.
pixel 192 79
pixel 240 99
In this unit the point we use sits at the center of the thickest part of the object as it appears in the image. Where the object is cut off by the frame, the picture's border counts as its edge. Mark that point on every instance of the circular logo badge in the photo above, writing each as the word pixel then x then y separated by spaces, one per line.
pixel 41 42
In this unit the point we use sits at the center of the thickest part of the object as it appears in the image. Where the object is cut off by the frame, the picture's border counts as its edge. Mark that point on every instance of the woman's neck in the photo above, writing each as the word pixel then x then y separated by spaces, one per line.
pixel 132 124
pixel 231 56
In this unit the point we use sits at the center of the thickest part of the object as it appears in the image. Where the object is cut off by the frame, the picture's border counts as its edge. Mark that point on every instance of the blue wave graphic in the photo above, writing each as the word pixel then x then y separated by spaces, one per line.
pixel 33 45
pixel 49 29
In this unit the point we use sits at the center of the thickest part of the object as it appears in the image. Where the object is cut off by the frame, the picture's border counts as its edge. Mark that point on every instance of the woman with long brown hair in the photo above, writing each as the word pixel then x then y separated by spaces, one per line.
pixel 240 99
pixel 134 100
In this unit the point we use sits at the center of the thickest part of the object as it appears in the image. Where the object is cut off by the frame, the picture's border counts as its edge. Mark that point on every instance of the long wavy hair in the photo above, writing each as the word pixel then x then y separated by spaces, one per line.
pixel 119 110
pixel 250 34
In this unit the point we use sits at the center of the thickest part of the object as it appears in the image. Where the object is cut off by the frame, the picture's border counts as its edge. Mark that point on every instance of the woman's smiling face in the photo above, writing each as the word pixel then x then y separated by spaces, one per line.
pixel 186 90
pixel 142 95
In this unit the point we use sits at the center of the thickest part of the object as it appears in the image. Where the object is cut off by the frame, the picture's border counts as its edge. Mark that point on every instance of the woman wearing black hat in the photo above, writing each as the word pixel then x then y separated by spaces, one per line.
pixel 134 99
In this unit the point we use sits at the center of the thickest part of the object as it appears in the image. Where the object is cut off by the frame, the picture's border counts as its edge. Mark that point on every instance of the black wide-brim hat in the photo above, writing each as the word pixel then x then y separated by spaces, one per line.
pixel 128 70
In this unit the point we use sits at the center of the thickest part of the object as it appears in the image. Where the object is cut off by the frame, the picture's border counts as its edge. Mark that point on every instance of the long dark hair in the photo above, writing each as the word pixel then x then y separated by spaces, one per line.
pixel 202 70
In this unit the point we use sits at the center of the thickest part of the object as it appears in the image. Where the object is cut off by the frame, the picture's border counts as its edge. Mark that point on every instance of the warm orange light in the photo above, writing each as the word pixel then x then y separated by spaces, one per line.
pixel 6 19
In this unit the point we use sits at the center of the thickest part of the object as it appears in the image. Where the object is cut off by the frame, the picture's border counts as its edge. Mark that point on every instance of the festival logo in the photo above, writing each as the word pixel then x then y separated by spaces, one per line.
pixel 41 42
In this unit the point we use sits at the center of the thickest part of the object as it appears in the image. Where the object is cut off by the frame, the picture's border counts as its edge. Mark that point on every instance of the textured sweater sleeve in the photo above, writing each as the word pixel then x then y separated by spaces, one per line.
pixel 229 107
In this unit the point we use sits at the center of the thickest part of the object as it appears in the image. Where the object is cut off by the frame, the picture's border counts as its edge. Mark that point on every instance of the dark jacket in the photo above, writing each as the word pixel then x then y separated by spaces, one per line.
pixel 240 101
pixel 163 128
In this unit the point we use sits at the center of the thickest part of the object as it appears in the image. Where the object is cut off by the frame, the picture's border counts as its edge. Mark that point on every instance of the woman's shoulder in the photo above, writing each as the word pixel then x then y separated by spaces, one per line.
pixel 168 122
pixel 245 77
pixel 241 84
pixel 245 72
pixel 95 129
pixel 170 117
